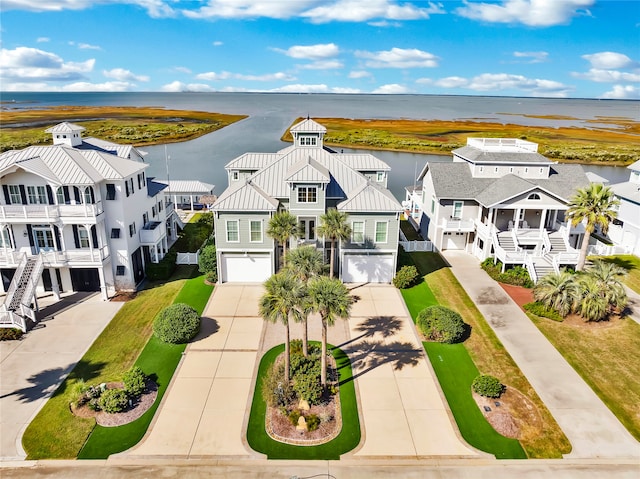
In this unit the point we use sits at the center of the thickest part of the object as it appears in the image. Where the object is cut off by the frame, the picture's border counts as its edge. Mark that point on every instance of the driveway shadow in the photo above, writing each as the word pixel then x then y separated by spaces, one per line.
pixel 385 326
pixel 208 327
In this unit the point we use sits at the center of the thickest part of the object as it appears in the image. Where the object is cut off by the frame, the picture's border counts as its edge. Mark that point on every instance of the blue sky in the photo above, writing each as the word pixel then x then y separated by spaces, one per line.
pixel 538 48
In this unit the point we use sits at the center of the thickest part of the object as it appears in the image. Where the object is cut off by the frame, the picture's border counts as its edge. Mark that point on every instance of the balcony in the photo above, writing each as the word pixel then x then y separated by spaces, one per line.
pixel 29 213
pixel 458 224
pixel 56 259
pixel 152 232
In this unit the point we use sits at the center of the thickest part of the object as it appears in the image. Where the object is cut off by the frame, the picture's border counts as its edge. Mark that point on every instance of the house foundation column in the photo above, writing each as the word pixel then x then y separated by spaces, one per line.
pixel 103 284
pixel 55 287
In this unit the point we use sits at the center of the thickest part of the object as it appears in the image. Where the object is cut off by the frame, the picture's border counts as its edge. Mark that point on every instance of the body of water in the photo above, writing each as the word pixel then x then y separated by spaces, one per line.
pixel 270 115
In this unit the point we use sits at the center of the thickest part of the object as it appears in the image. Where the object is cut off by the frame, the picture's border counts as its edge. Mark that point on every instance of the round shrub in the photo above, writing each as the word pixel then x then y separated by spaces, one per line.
pixel 113 400
pixel 441 324
pixel 134 381
pixel 405 277
pixel 488 386
pixel 176 324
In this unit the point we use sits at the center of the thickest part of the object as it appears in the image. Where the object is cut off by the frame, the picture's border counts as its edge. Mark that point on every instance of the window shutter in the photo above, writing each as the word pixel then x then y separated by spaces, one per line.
pixel 23 195
pixel 76 239
pixel 7 197
pixel 76 194
pixel 56 231
pixel 50 195
pixel 67 198
pixel 94 236
pixel 126 188
pixel 30 234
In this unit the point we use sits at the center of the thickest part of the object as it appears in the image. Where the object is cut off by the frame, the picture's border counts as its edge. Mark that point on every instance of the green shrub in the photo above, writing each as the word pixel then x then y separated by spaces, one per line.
pixel 305 372
pixel 313 422
pixel 113 400
pixel 176 324
pixel 135 381
pixel 441 324
pixel 294 416
pixel 207 259
pixel 211 277
pixel 539 309
pixel 78 393
pixel 488 386
pixel 275 390
pixel 405 277
pixel 9 334
pixel 517 275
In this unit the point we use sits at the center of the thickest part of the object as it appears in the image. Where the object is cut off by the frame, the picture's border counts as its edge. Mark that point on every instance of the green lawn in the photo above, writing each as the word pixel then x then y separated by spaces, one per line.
pixel 631 263
pixel 439 286
pixel 348 438
pixel 159 360
pixel 456 371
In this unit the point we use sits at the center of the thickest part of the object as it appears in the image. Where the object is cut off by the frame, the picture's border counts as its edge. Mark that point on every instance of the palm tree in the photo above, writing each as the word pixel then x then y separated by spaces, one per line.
pixel 593 306
pixel 559 291
pixel 330 298
pixel 283 293
pixel 609 279
pixel 305 263
pixel 282 226
pixel 334 226
pixel 596 204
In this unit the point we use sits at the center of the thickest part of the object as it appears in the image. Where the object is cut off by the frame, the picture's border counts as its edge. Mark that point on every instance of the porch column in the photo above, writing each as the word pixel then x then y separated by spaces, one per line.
pixel 543 219
pixel 191 200
pixel 516 219
pixel 103 285
pixel 90 237
pixel 55 287
pixel 492 218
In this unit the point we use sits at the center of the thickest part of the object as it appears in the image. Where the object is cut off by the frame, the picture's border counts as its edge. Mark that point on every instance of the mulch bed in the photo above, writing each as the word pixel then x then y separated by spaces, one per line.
pixel 511 415
pixel 136 410
pixel 124 296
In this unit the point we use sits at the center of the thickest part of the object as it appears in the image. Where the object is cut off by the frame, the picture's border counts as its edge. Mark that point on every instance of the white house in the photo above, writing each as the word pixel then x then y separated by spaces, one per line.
pixel 500 198
pixel 625 230
pixel 306 178
pixel 78 215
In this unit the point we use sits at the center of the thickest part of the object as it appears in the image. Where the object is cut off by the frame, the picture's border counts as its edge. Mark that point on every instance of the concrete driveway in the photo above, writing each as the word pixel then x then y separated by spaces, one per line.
pixel 205 410
pixel 31 369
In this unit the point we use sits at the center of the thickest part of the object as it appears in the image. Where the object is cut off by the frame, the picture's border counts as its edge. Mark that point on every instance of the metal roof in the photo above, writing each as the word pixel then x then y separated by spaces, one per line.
pixel 154 187
pixel 251 161
pixel 245 197
pixel 477 155
pixel 370 198
pixel 364 162
pixel 307 171
pixel 65 127
pixel 308 126
pixel 188 186
pixel 634 166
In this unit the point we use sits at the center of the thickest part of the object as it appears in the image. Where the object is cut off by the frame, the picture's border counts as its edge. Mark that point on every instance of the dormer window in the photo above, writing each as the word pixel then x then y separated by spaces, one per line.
pixel 380 176
pixel 308 140
pixel 307 194
pixel 533 196
pixel 235 176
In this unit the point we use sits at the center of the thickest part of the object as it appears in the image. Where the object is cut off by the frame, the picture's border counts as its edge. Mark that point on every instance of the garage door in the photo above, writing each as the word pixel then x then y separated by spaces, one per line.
pixel 455 240
pixel 376 268
pixel 254 268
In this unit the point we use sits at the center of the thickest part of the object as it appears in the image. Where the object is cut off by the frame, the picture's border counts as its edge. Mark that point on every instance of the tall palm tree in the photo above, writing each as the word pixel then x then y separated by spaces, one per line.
pixel 559 291
pixel 305 263
pixel 609 277
pixel 596 205
pixel 330 298
pixel 279 303
pixel 334 226
pixel 282 226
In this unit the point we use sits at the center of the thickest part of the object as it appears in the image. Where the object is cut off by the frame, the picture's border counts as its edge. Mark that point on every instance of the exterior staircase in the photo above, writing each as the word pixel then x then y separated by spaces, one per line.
pixel 506 242
pixel 542 266
pixel 17 303
pixel 558 244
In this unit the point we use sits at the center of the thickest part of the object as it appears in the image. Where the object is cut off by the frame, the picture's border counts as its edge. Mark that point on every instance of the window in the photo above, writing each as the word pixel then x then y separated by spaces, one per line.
pixel 307 194
pixel 235 175
pixel 307 140
pixel 60 196
pixel 381 231
pixel 119 270
pixel 380 176
pixel 232 231
pixel 526 170
pixel 433 205
pixel 89 199
pixel 83 237
pixel 153 211
pixel 37 195
pixel 43 238
pixel 5 238
pixel 115 232
pixel 256 231
pixel 457 209
pixel 533 196
pixel 132 229
pixel 357 232
pixel 145 218
pixel 307 229
pixel 111 191
pixel 126 188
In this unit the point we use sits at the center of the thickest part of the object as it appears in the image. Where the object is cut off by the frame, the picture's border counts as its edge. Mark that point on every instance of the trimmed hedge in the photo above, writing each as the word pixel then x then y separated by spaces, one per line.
pixel 517 276
pixel 488 386
pixel 539 309
pixel 405 277
pixel 113 400
pixel 176 324
pixel 441 324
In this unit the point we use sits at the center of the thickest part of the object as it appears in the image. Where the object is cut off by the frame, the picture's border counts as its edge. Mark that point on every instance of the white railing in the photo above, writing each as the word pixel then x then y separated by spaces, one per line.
pixel 10 256
pixel 484 229
pixel 152 232
pixel 458 224
pixel 546 242
pixel 30 289
pixel 601 249
pixel 51 258
pixel 9 319
pixel 187 258
pixel 51 212
pixel 529 264
pixel 410 246
pixel 16 276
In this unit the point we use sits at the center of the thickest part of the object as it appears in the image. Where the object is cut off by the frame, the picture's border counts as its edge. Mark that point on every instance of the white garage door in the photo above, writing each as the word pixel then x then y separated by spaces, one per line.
pixel 254 268
pixel 455 240
pixel 359 268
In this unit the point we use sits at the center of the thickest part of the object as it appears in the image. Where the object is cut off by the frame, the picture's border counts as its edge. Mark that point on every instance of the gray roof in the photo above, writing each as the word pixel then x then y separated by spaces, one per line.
pixel 454 181
pixel 251 161
pixel 195 187
pixel 594 178
pixel 123 151
pixel 476 155
pixel 364 162
pixel 370 198
pixel 307 171
pixel 634 166
pixel 308 125
pixel 627 190
pixel 245 197
pixel 64 127
pixel 154 187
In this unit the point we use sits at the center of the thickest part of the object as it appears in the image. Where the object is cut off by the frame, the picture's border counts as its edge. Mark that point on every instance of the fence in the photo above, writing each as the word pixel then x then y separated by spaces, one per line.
pixel 410 246
pixel 187 258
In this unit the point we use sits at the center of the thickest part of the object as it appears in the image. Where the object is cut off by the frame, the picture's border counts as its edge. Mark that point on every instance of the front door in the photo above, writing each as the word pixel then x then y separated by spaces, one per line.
pixel 137 265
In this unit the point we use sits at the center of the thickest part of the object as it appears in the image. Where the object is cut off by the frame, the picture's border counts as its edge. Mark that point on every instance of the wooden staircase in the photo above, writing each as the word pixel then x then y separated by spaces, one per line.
pixel 17 303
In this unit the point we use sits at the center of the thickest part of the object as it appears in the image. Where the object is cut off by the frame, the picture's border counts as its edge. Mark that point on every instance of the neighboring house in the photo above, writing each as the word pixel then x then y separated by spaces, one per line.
pixel 500 198
pixel 78 215
pixel 625 230
pixel 188 194
pixel 306 178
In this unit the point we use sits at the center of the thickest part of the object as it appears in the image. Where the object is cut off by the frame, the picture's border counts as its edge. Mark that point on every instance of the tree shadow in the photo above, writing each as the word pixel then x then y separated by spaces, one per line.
pixel 208 327
pixel 386 326
pixel 42 382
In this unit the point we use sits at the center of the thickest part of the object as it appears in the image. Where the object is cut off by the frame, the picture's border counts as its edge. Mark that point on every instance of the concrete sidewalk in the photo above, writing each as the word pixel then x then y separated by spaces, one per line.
pixel 32 369
pixel 634 304
pixel 592 429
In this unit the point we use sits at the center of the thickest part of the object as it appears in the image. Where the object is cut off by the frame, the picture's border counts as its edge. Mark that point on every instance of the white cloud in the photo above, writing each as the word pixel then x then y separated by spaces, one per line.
pixel 608 60
pixel 178 86
pixel 249 9
pixel 27 64
pixel 505 82
pixel 322 65
pixel 399 58
pixel 451 82
pixel 124 75
pixel 345 90
pixel 155 8
pixel 181 70
pixel 608 76
pixel 532 57
pixel 217 43
pixel 87 46
pixel 360 74
pixel 299 88
pixel 213 76
pixel 623 92
pixel 535 13
pixel 311 52
pixel 362 11
pixel 43 40
pixel 107 86
pixel 392 89
pixel 385 24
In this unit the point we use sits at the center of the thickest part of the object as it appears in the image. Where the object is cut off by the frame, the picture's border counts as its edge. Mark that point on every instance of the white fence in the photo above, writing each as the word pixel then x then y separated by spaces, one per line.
pixel 601 249
pixel 410 246
pixel 188 258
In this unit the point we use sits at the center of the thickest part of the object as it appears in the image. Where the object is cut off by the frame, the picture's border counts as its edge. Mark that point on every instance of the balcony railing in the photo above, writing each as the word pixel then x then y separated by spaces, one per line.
pixel 79 256
pixel 49 212
pixel 152 232
pixel 456 224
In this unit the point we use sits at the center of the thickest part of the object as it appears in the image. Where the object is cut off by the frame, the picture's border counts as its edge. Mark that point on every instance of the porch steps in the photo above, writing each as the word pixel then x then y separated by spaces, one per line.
pixel 22 284
pixel 506 242
pixel 558 244
pixel 542 267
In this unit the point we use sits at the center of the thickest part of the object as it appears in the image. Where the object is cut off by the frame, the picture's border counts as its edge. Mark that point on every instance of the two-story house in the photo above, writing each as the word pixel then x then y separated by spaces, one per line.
pixel 625 230
pixel 500 198
pixel 77 215
pixel 306 178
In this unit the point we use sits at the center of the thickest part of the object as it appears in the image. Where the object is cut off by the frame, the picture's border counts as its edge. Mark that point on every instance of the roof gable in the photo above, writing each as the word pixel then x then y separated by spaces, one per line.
pixel 307 171
pixel 308 126
pixel 245 197
pixel 65 127
pixel 370 198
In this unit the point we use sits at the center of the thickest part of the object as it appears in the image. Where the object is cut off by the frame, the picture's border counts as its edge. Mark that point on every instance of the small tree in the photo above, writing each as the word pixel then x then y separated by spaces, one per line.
pixel 207 260
pixel 334 226
pixel 559 291
pixel 282 226
pixel 488 386
pixel 176 324
pixel 441 324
